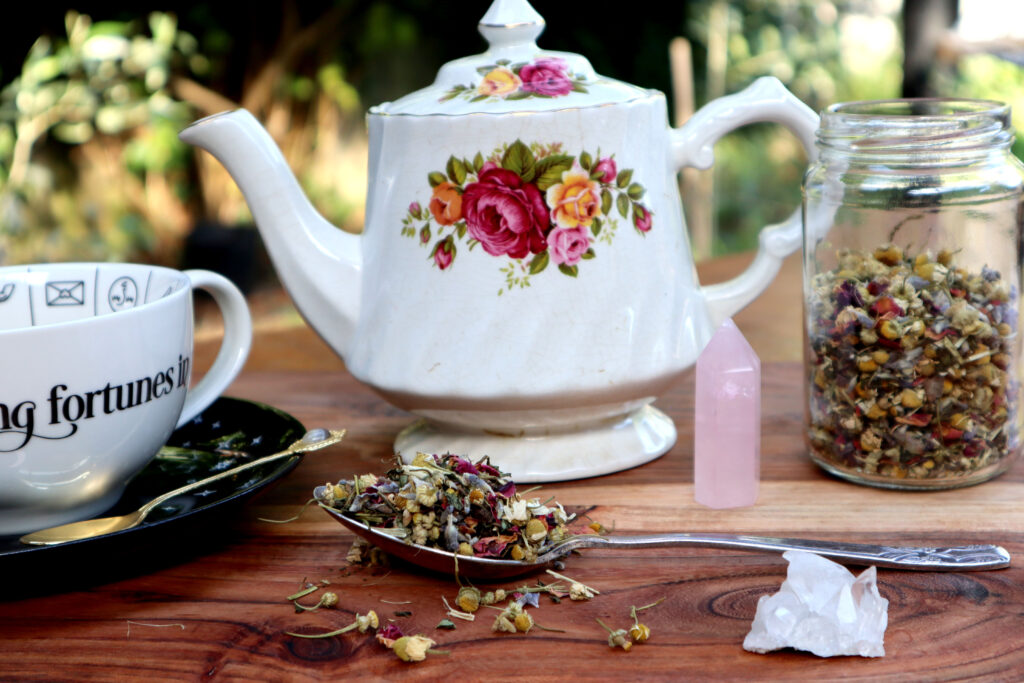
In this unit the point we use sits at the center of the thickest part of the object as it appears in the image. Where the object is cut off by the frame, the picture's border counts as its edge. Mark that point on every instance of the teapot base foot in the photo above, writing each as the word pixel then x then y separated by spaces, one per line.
pixel 602 447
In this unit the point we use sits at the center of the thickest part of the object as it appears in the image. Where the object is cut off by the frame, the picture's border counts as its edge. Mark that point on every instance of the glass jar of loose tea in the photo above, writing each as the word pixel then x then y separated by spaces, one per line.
pixel 912 274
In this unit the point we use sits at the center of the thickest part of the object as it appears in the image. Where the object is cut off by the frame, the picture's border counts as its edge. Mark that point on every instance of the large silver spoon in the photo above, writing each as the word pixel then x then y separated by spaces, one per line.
pixel 76 531
pixel 962 558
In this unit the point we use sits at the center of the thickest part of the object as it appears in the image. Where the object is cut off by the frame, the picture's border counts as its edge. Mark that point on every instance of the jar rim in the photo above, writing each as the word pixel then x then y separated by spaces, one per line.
pixel 917 108
pixel 916 127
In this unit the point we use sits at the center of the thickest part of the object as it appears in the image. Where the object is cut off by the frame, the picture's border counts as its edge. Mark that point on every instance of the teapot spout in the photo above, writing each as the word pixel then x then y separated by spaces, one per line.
pixel 319 265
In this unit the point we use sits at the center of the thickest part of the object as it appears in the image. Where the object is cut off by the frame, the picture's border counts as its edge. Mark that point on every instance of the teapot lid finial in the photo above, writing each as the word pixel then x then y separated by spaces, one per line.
pixel 513 75
pixel 511 23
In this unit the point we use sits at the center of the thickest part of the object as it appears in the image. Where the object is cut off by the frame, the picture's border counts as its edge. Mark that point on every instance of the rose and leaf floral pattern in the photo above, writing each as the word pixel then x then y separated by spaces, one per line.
pixel 533 204
pixel 503 80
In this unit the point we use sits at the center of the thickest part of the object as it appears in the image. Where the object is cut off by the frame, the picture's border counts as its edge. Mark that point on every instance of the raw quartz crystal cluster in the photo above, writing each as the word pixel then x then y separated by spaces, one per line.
pixel 453 504
pixel 727 421
pixel 821 608
pixel 910 365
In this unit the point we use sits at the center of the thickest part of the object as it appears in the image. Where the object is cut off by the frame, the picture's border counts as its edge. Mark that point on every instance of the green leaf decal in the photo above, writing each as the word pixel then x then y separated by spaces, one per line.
pixel 456 170
pixel 588 254
pixel 622 204
pixel 519 95
pixel 436 178
pixel 460 229
pixel 478 162
pixel 548 171
pixel 635 191
pixel 519 159
pixel 595 227
pixel 577 87
pixel 539 262
pixel 606 201
pixel 571 271
pixel 484 70
pixel 624 177
pixel 586 161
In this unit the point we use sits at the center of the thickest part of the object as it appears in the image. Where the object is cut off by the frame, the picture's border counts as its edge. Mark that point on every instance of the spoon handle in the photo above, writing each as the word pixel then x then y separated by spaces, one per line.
pixel 313 440
pixel 960 558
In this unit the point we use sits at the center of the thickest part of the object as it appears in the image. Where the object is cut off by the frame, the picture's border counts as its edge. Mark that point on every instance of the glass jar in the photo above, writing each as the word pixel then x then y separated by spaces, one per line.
pixel 912 274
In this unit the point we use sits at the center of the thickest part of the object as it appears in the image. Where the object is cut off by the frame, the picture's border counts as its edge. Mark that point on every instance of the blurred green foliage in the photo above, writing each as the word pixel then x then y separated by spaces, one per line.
pixel 88 140
pixel 987 77
pixel 824 52
pixel 311 69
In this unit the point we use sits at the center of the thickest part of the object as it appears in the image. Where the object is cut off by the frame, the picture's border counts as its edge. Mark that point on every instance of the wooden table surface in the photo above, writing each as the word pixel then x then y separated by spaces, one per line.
pixel 212 604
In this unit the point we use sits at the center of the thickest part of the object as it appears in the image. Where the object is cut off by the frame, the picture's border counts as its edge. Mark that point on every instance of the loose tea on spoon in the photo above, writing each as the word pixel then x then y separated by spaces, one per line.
pixel 453 504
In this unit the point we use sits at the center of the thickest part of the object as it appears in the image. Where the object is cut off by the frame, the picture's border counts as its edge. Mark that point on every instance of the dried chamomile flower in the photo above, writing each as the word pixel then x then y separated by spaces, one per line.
pixel 618 638
pixel 577 590
pixel 468 599
pixel 370 620
pixel 502 624
pixel 412 648
pixel 523 622
pixel 640 633
pixel 455 613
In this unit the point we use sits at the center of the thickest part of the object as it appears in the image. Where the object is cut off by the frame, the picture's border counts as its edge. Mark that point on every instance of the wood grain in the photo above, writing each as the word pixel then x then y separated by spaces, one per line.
pixel 209 602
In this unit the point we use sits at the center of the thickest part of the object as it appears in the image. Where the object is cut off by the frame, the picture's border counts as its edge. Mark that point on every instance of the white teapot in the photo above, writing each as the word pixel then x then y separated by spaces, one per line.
pixel 524 282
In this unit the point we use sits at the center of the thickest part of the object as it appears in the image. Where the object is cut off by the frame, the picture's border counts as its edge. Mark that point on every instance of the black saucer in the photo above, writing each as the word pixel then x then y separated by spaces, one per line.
pixel 228 433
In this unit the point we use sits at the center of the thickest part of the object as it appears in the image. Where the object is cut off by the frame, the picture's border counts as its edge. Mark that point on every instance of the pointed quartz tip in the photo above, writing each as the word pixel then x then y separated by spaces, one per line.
pixel 727 421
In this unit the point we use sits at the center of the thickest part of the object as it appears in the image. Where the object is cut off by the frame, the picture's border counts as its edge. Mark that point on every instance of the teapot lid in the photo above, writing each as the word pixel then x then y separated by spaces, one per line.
pixel 513 75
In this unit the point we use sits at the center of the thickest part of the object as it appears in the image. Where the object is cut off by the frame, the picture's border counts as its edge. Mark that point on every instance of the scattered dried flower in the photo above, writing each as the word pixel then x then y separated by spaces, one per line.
pixel 523 622
pixel 468 599
pixel 388 634
pixel 577 590
pixel 639 633
pixel 412 648
pixel 502 624
pixel 617 638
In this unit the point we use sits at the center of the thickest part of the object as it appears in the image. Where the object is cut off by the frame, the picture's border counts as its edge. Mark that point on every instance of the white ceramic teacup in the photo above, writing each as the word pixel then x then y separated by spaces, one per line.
pixel 95 361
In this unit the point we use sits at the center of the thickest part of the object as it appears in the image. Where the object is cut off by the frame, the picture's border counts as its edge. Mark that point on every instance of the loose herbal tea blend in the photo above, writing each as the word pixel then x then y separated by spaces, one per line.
pixel 911 368
pixel 450 503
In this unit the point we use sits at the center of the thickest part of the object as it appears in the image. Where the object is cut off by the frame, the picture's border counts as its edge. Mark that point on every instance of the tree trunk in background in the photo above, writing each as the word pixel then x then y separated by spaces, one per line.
pixel 925 22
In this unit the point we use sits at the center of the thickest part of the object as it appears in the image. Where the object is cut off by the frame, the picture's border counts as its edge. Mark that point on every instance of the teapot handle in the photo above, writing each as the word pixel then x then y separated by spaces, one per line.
pixel 766 99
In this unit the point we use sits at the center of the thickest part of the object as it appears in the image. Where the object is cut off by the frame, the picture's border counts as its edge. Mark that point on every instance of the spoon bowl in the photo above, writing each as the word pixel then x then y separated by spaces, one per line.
pixel 959 558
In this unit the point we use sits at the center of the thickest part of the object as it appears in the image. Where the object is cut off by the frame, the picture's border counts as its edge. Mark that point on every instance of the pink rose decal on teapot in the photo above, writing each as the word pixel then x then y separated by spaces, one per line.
pixel 503 80
pixel 532 204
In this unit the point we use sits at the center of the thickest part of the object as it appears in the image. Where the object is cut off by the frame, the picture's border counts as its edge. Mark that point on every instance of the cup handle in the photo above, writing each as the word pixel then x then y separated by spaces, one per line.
pixel 766 99
pixel 234 348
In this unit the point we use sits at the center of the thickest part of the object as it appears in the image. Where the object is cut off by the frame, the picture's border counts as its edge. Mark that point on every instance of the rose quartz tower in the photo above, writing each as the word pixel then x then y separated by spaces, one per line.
pixel 727 421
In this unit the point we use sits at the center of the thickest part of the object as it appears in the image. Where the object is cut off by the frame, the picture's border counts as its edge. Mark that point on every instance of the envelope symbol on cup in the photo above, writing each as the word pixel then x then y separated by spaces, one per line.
pixel 70 293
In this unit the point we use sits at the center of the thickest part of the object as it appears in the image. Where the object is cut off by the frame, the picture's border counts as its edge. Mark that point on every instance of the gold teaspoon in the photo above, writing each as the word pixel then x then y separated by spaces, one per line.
pixel 313 440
